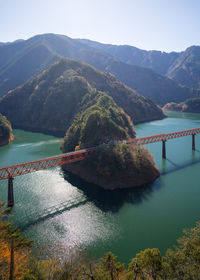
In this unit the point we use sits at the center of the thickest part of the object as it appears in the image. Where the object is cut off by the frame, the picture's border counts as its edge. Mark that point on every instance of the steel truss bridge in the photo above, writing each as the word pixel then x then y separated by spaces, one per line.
pixel 12 171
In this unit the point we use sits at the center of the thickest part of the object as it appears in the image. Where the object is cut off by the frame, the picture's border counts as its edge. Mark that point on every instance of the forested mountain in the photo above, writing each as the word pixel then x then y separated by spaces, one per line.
pixel 186 69
pixel 19 61
pixel 156 60
pixel 191 105
pixel 50 101
pixel 183 67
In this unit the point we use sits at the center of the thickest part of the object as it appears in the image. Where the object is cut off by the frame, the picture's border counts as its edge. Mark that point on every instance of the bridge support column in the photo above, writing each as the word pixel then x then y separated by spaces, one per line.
pixel 163 149
pixel 10 192
pixel 193 141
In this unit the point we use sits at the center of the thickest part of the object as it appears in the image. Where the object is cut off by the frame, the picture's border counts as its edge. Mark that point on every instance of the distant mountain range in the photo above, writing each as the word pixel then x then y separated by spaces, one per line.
pixel 140 70
pixel 183 67
pixel 50 101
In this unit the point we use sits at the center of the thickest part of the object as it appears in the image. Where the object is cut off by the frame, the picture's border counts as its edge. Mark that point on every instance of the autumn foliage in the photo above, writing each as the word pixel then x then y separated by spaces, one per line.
pixel 12 244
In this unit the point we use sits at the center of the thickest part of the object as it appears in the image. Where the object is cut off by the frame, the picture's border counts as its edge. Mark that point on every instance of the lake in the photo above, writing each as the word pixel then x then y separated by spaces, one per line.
pixel 66 216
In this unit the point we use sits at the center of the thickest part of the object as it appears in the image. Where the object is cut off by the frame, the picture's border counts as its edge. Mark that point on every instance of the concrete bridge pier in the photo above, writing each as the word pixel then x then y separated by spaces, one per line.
pixel 10 192
pixel 163 149
pixel 193 141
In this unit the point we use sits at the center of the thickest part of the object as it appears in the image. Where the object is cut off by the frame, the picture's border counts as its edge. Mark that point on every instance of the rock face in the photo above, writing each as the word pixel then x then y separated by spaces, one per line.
pixel 191 105
pixel 49 102
pixel 6 135
pixel 114 164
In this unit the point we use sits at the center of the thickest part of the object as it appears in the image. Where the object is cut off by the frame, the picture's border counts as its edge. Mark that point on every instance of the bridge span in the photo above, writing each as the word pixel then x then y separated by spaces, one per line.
pixel 12 171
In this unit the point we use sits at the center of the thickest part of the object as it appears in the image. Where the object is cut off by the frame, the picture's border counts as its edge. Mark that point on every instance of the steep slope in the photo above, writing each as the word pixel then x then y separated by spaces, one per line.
pixel 157 87
pixel 186 69
pixel 156 60
pixel 22 60
pixel 50 101
pixel 109 166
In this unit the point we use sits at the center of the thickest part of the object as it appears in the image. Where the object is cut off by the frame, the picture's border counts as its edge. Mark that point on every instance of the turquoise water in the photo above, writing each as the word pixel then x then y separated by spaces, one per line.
pixel 66 216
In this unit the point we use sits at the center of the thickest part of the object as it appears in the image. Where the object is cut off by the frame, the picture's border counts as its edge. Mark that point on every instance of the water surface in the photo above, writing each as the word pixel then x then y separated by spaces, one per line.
pixel 64 215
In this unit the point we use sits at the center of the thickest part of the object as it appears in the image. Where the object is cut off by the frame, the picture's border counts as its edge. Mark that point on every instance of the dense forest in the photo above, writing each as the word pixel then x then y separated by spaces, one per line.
pixel 112 165
pixel 191 105
pixel 50 101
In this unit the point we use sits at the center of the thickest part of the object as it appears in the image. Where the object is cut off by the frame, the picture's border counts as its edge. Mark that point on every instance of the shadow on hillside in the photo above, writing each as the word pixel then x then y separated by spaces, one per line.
pixel 111 200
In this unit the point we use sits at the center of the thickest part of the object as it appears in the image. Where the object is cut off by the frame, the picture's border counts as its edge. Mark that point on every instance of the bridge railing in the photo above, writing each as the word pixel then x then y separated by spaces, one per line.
pixel 32 166
pixel 28 167
pixel 163 136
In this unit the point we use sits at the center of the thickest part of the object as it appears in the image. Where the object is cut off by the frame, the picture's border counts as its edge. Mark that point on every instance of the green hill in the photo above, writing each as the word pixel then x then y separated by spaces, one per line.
pixel 50 101
pixel 112 165
pixel 5 131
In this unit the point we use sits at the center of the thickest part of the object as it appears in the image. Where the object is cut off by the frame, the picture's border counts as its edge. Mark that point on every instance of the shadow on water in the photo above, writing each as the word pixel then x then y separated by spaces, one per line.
pixel 106 200
pixel 176 167
pixel 49 213
pixel 111 200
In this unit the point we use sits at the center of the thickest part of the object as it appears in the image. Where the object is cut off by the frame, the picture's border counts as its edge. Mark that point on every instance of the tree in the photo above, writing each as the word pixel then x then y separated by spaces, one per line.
pixel 146 265
pixel 14 251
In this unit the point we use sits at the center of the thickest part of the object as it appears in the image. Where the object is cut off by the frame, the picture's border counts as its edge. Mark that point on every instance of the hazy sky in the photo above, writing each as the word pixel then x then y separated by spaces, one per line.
pixel 165 25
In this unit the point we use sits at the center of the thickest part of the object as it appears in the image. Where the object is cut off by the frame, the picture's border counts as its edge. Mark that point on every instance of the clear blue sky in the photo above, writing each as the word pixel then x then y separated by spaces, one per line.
pixel 165 25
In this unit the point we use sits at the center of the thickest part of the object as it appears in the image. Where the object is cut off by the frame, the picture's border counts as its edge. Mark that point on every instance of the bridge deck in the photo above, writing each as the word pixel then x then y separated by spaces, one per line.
pixel 32 166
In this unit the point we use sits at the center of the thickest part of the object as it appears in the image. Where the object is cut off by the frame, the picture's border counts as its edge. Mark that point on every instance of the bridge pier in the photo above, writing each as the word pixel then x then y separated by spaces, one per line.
pixel 193 141
pixel 163 149
pixel 10 192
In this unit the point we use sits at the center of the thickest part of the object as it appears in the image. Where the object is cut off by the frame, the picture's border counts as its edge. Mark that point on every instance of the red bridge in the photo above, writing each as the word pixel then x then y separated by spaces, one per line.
pixel 12 171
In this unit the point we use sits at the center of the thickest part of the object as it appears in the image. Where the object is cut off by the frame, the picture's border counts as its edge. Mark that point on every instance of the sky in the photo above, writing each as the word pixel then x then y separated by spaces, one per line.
pixel 166 25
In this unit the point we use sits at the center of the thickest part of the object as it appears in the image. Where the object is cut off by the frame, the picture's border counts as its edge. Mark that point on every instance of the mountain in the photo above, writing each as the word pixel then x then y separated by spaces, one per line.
pixel 183 67
pixel 145 81
pixel 50 101
pixel 191 105
pixel 186 68
pixel 155 60
pixel 22 60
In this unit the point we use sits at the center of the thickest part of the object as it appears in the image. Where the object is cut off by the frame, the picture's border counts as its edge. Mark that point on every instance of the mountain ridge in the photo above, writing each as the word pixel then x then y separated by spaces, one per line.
pixel 21 61
pixel 60 89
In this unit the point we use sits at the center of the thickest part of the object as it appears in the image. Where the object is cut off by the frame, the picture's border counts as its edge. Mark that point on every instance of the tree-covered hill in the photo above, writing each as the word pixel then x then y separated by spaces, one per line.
pixel 21 60
pixel 191 105
pixel 113 164
pixel 50 101
pixel 5 131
